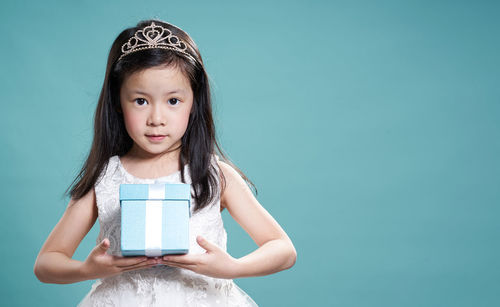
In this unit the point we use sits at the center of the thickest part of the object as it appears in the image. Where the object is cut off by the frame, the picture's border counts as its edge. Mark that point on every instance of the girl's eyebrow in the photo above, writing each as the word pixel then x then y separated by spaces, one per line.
pixel 181 91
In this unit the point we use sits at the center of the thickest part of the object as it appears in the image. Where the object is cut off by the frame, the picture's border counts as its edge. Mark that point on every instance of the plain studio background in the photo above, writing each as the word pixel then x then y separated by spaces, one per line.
pixel 371 129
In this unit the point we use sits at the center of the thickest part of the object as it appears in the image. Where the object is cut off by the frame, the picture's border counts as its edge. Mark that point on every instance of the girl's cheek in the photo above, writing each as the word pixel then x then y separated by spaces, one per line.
pixel 132 121
pixel 185 118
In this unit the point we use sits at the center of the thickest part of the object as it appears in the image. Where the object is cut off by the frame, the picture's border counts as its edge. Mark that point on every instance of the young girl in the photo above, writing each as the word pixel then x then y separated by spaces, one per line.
pixel 154 124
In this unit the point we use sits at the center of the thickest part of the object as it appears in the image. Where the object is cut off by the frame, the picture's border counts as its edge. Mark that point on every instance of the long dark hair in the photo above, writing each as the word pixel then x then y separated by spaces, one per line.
pixel 111 138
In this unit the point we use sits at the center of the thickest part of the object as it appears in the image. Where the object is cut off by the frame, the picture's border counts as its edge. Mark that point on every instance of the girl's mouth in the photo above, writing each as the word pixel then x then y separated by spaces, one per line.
pixel 156 138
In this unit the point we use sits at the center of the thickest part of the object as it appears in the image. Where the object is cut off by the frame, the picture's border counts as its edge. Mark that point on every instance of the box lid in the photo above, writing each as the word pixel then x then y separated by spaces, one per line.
pixel 157 191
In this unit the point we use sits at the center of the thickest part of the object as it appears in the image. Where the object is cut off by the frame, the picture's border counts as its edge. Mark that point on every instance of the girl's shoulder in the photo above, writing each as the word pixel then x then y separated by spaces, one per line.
pixel 108 169
pixel 217 164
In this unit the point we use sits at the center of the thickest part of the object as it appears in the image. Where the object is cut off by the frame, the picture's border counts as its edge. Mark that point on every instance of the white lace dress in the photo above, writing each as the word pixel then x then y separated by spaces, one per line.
pixel 160 285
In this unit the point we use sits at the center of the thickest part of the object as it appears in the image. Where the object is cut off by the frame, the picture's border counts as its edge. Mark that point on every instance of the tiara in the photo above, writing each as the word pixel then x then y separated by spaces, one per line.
pixel 152 37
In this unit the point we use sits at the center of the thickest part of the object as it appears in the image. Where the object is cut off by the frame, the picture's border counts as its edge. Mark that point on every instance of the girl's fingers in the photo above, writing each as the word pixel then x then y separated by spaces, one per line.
pixel 134 263
pixel 136 267
pixel 185 259
pixel 125 262
pixel 177 262
pixel 151 263
pixel 180 265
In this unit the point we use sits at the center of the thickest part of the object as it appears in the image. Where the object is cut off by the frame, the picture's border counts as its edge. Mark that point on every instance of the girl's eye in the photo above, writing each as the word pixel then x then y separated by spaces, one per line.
pixel 173 101
pixel 140 101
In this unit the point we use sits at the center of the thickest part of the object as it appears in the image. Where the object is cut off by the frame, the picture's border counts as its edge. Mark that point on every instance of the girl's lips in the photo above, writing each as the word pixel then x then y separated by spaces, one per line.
pixel 155 137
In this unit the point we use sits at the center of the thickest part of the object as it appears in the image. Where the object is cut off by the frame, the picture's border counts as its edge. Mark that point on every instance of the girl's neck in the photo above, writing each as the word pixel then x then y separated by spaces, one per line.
pixel 146 165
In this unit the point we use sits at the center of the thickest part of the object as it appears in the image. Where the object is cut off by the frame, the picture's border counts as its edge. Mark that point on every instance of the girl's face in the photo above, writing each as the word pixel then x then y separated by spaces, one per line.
pixel 156 103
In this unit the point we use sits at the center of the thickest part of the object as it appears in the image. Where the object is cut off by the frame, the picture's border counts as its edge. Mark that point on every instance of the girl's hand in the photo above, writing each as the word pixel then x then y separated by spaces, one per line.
pixel 100 264
pixel 215 262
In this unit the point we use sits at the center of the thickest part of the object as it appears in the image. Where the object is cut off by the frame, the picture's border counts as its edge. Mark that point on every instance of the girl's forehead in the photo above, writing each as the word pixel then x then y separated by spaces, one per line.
pixel 165 71
pixel 159 76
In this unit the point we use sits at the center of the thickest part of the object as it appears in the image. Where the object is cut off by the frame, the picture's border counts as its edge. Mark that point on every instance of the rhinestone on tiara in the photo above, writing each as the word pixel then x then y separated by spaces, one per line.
pixel 154 36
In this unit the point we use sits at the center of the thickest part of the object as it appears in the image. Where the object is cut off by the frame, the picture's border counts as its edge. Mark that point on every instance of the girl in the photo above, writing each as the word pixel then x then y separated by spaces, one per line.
pixel 154 123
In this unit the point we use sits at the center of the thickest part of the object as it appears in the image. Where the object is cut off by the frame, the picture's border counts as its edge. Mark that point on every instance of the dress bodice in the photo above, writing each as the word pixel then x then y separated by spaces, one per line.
pixel 207 222
pixel 160 285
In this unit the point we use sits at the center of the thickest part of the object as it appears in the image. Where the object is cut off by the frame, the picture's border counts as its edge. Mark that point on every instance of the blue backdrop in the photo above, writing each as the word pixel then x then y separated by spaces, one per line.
pixel 371 129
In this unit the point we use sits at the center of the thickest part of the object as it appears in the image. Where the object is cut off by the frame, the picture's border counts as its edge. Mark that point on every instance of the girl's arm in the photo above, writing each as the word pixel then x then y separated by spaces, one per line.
pixel 54 263
pixel 276 251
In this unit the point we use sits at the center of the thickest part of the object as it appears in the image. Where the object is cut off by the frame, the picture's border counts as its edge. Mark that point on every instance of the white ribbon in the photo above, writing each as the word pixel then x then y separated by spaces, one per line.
pixel 156 191
pixel 154 220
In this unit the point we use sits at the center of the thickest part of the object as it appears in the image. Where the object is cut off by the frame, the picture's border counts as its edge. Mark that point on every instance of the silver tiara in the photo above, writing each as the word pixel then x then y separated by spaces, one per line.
pixel 154 36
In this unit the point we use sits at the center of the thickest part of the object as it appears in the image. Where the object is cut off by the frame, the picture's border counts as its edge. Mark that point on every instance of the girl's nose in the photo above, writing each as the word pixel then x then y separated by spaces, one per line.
pixel 156 116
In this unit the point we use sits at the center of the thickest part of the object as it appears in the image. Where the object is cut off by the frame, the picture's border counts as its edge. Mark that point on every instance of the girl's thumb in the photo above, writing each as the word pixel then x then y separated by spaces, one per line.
pixel 104 244
pixel 204 243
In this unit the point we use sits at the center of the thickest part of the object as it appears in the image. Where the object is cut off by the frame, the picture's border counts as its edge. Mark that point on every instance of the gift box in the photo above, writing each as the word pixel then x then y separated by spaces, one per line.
pixel 155 219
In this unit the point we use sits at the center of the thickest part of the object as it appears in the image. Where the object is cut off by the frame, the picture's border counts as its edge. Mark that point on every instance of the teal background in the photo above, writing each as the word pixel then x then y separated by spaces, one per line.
pixel 371 129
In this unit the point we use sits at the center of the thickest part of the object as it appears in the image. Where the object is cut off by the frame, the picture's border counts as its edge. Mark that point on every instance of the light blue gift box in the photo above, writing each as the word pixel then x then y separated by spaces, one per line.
pixel 155 219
